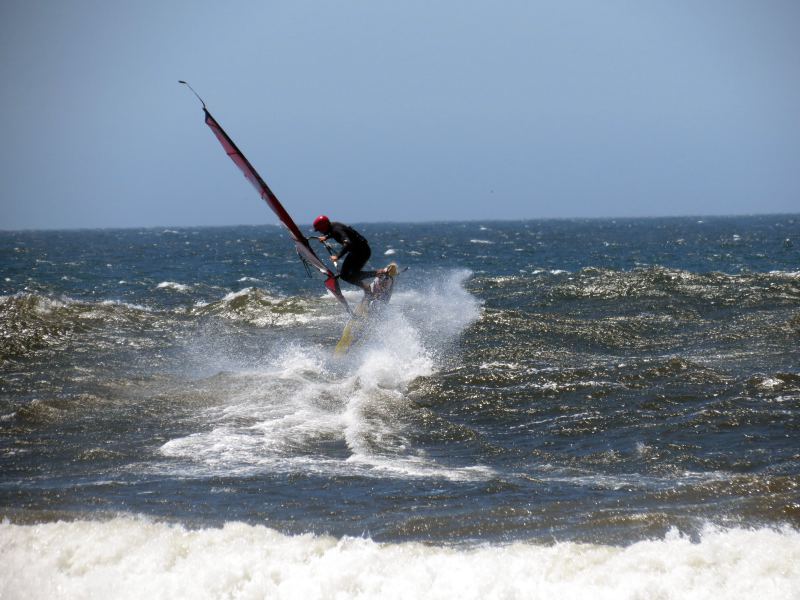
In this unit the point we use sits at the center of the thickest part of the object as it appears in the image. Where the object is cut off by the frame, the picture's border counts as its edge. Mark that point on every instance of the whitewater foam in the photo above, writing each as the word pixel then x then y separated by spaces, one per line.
pixel 137 558
pixel 173 285
pixel 282 416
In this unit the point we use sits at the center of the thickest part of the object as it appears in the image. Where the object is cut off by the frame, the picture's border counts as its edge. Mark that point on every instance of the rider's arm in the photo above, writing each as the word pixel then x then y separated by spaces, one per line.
pixel 342 237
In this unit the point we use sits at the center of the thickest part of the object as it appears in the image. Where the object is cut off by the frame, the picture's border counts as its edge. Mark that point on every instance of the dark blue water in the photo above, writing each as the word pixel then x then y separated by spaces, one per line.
pixel 603 381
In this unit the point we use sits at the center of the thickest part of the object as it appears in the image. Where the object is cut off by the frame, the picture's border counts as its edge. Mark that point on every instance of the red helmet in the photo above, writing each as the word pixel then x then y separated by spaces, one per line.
pixel 322 224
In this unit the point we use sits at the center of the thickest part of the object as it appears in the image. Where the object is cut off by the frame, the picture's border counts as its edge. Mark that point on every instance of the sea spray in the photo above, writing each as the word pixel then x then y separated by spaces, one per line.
pixel 281 415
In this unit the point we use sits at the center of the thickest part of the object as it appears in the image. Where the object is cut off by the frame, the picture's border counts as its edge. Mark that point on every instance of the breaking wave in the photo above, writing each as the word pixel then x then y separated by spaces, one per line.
pixel 139 558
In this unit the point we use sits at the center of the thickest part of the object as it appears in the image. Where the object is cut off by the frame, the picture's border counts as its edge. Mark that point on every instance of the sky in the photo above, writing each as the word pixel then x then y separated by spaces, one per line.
pixel 376 110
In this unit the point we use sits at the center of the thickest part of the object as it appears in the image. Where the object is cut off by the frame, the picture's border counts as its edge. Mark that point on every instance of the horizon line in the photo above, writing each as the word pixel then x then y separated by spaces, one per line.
pixel 421 222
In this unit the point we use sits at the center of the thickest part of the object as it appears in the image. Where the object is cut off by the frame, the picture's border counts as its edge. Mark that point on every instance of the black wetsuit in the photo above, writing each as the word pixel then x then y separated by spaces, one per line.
pixel 355 248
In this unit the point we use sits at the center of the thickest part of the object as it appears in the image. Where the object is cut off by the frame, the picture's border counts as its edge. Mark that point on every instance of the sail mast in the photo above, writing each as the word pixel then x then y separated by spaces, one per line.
pixel 302 246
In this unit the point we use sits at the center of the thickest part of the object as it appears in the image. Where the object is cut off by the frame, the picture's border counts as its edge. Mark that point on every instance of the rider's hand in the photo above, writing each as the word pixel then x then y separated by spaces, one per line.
pixel 334 257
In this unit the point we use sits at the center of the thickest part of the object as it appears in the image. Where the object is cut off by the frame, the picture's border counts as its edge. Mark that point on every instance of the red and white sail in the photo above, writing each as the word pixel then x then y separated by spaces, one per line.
pixel 301 243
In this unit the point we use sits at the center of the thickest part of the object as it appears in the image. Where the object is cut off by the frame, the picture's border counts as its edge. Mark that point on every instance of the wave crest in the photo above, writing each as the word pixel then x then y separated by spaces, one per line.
pixel 140 558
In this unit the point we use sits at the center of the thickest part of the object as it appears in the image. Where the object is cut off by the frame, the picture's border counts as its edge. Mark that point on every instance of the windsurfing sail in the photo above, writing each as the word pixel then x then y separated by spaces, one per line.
pixel 302 246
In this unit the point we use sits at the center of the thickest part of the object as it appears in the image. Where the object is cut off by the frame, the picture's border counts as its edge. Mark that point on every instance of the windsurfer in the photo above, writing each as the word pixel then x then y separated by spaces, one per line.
pixel 355 249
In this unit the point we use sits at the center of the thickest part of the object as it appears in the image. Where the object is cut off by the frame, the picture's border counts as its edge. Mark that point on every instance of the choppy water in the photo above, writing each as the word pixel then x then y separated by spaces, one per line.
pixel 592 408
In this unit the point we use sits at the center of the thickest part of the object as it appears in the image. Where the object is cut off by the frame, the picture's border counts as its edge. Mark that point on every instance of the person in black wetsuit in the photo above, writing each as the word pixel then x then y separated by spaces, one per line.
pixel 355 249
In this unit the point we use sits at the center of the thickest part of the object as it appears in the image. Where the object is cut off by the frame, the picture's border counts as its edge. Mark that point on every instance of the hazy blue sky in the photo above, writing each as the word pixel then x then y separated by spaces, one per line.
pixel 405 110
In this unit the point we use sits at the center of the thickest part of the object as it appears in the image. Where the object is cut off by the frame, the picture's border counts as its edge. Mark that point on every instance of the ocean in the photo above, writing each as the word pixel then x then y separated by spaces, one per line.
pixel 546 409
